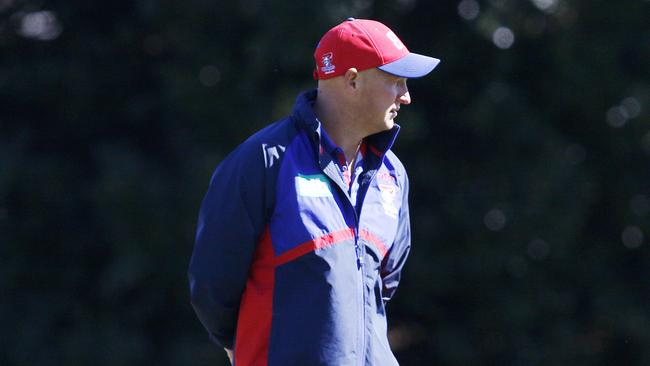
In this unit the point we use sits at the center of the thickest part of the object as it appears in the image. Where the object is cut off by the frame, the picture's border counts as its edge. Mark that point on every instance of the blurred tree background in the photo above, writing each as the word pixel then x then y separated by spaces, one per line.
pixel 528 150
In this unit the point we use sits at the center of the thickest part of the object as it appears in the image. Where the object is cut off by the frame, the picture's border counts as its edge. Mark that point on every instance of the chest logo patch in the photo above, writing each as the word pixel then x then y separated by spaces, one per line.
pixel 388 199
pixel 313 186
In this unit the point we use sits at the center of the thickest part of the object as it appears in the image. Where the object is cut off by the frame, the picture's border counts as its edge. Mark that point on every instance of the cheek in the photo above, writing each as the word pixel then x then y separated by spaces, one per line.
pixel 388 99
pixel 382 105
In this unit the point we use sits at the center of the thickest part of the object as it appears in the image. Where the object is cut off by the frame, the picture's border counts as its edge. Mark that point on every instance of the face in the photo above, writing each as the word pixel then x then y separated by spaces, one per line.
pixel 380 99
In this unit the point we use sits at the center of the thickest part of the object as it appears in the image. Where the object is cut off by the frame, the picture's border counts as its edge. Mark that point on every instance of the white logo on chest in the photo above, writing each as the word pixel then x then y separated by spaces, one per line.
pixel 312 186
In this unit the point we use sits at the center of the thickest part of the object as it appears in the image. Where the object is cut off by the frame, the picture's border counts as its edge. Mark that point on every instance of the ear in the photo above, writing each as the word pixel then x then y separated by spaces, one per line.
pixel 351 78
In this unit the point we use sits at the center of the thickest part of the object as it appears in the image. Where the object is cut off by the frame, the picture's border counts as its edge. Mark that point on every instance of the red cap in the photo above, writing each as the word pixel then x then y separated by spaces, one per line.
pixel 364 44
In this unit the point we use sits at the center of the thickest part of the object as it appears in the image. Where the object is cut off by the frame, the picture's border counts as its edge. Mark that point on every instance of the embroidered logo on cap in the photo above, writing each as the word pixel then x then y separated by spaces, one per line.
pixel 326 60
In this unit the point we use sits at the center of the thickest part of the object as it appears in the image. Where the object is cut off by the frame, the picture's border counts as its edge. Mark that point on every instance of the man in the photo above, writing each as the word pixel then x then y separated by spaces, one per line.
pixel 304 230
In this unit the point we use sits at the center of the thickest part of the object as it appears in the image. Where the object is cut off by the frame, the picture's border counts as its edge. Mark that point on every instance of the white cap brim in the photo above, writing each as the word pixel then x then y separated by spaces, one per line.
pixel 412 65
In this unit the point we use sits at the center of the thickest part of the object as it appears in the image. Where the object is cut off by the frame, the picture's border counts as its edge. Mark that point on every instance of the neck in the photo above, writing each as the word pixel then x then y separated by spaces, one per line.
pixel 339 126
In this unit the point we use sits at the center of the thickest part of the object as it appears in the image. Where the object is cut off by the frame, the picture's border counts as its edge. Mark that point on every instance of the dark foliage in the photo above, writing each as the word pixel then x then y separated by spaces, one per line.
pixel 528 150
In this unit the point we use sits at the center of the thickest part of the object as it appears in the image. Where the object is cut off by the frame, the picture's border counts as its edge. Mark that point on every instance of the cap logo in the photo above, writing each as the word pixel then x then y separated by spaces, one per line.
pixel 393 38
pixel 326 60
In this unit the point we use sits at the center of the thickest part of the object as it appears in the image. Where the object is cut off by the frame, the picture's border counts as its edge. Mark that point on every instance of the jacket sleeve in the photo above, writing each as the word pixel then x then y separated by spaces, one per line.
pixel 396 256
pixel 231 220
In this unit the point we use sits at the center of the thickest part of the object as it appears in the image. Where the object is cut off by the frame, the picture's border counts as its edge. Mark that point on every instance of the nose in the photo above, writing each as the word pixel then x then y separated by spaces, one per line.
pixel 404 97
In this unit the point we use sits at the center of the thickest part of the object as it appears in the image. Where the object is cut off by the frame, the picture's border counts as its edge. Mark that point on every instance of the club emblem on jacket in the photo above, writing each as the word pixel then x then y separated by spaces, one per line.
pixel 388 198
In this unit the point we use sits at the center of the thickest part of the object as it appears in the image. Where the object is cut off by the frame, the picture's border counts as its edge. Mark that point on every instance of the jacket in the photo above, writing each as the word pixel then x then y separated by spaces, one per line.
pixel 286 268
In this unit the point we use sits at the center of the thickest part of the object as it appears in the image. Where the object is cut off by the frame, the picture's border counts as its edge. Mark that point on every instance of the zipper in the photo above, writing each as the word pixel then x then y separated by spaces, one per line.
pixel 361 274
pixel 357 247
pixel 360 251
pixel 362 292
pixel 361 280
